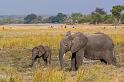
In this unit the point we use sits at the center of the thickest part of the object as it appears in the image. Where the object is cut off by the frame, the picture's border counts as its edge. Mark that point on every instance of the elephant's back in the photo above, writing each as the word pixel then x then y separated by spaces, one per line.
pixel 47 48
pixel 99 41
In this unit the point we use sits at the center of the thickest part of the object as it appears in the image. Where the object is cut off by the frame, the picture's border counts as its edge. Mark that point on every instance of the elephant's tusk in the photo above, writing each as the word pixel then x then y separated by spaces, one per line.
pixel 64 55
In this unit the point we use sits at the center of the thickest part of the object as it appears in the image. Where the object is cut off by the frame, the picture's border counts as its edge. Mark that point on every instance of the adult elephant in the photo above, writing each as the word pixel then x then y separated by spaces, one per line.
pixel 97 47
pixel 74 43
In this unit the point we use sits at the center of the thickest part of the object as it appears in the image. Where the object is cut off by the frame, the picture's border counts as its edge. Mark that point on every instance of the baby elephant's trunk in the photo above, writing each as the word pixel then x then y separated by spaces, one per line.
pixel 33 60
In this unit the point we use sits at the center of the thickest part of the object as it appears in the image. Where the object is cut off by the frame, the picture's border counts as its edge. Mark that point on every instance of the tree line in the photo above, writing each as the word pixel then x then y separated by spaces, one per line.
pixel 98 16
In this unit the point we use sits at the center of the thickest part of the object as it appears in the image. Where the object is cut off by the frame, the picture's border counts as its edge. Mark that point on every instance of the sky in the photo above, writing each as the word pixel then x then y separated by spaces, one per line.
pixel 50 7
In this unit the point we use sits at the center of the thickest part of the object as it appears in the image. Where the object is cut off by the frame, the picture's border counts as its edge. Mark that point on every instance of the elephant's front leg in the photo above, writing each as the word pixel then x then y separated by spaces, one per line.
pixel 79 58
pixel 73 62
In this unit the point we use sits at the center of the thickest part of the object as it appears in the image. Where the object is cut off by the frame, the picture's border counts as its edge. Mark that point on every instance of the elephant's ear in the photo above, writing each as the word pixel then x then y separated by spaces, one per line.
pixel 41 50
pixel 46 55
pixel 78 43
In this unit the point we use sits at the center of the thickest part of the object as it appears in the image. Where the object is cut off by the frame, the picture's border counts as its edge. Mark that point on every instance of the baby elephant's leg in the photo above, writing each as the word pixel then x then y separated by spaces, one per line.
pixel 46 62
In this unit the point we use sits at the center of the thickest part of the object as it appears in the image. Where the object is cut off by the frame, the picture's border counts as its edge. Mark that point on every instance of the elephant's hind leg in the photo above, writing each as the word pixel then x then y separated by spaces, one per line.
pixel 111 61
pixel 110 58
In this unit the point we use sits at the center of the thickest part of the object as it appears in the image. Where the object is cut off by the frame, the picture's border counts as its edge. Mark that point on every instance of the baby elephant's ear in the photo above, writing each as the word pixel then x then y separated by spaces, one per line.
pixel 41 51
pixel 46 55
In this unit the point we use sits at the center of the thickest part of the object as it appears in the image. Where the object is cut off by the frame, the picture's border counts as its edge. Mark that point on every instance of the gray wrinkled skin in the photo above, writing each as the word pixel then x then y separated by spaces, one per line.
pixel 74 43
pixel 100 47
pixel 43 52
pixel 96 47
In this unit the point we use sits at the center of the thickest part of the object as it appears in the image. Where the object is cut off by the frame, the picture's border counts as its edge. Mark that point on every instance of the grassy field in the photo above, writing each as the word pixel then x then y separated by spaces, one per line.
pixel 16 42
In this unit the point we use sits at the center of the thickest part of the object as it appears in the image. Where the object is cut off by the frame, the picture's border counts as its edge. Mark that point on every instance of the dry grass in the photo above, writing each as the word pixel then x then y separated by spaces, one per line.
pixel 92 73
pixel 17 41
pixel 48 75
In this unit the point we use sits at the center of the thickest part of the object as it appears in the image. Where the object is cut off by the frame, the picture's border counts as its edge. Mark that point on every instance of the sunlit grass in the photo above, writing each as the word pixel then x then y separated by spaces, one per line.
pixel 97 73
pixel 27 38
pixel 48 75
pixel 91 73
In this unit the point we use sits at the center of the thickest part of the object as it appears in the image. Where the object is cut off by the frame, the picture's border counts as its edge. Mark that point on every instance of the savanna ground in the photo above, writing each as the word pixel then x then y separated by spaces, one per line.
pixel 16 42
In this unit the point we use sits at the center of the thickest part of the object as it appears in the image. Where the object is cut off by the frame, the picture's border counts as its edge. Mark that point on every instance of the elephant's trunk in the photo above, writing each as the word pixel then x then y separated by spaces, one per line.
pixel 61 59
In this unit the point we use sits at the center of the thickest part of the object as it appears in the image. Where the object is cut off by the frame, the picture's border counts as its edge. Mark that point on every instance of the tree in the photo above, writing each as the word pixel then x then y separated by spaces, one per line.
pixel 39 19
pixel 116 12
pixel 9 21
pixel 97 16
pixel 76 17
pixel 59 18
pixel 30 18
pixel 100 11
pixel 52 19
pixel 87 18
pixel 122 18
pixel 108 19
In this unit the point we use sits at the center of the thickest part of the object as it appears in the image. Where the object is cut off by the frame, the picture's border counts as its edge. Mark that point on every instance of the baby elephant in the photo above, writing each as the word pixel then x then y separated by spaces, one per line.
pixel 41 51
